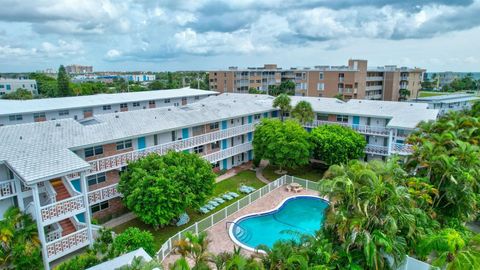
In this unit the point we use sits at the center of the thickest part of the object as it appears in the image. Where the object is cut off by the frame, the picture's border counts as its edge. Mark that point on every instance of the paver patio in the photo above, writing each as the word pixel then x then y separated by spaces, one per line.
pixel 218 234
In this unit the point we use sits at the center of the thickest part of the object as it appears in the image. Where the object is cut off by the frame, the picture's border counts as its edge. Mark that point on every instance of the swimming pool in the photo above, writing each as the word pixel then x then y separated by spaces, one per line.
pixel 302 214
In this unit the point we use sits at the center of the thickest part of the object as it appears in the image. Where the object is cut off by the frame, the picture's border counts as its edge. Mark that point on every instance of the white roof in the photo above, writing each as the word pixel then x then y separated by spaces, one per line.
pixel 449 98
pixel 403 115
pixel 123 260
pixel 8 107
pixel 44 150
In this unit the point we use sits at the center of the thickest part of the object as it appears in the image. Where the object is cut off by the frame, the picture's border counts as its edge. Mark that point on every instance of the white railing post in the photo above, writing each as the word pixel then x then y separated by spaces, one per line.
pixel 40 229
pixel 84 187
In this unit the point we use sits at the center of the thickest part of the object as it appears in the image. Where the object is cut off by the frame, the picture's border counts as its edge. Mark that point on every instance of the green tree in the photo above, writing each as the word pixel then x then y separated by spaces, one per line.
pixel 451 251
pixel 335 144
pixel 79 262
pixel 404 94
pixel 283 103
pixel 303 112
pixel 157 85
pixel 284 144
pixel 132 239
pixel 63 82
pixel 160 188
pixel 194 247
pixel 20 93
pixel 47 86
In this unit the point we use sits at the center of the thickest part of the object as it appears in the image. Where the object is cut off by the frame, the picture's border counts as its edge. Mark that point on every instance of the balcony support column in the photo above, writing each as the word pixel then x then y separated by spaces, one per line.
pixel 390 142
pixel 18 189
pixel 84 187
pixel 41 231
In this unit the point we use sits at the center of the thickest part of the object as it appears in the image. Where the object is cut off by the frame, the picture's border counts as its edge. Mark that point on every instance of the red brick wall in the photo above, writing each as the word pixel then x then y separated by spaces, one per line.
pixel 110 150
pixel 112 177
pixel 115 208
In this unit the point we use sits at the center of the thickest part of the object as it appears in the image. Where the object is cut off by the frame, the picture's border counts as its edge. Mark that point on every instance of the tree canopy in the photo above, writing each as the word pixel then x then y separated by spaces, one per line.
pixel 335 144
pixel 303 112
pixel 284 144
pixel 285 87
pixel 20 93
pixel 63 82
pixel 283 103
pixel 160 188
pixel 132 239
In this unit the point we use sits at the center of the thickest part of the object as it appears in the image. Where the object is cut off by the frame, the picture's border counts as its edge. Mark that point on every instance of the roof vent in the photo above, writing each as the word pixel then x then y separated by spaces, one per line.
pixel 57 124
pixel 203 105
pixel 21 137
pixel 117 116
pixel 169 109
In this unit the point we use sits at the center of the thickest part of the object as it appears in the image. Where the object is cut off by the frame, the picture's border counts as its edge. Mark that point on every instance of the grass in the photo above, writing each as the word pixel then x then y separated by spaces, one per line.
pixel 313 172
pixel 430 94
pixel 231 184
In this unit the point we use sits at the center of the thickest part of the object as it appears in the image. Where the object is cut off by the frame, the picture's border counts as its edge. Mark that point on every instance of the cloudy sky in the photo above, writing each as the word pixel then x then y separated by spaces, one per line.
pixel 208 34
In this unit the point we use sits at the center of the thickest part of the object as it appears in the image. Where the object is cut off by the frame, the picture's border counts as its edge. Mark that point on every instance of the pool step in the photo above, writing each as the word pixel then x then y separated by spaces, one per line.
pixel 242 235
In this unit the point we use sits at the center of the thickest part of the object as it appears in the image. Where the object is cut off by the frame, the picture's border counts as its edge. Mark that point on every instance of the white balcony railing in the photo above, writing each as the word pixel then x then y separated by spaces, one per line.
pixel 67 244
pixel 53 235
pixel 55 212
pixel 373 87
pixel 376 150
pixel 120 160
pixel 375 78
pixel 7 189
pixel 229 152
pixel 364 129
pixel 103 194
pixel 402 149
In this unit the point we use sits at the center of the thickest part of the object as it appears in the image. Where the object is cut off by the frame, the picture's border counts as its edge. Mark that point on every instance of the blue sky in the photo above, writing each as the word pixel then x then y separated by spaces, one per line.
pixel 211 34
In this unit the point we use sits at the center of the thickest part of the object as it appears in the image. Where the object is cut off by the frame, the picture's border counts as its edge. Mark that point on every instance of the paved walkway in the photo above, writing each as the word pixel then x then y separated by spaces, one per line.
pixel 119 220
pixel 259 171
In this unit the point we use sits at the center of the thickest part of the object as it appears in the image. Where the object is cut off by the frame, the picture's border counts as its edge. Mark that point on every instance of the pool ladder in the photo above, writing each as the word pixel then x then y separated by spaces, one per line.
pixel 243 235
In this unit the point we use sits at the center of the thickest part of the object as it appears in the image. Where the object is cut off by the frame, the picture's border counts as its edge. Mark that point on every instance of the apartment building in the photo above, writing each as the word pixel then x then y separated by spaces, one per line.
pixel 11 85
pixel 354 81
pixel 65 172
pixel 85 107
pixel 76 69
pixel 450 102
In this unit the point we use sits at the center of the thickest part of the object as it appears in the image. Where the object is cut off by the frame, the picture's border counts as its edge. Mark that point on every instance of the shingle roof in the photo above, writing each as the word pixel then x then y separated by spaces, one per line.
pixel 8 107
pixel 40 151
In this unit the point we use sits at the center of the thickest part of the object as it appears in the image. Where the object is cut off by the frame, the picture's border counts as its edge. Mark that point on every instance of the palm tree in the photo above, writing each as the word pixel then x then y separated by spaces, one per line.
pixel 451 251
pixel 303 112
pixel 195 247
pixel 283 103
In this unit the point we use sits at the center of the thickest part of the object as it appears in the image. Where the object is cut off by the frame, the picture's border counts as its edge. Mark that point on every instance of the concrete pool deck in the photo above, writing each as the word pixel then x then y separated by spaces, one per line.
pixel 218 234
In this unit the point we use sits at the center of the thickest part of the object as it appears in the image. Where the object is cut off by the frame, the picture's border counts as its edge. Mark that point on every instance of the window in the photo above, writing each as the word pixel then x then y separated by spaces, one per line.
pixel 136 104
pixel 107 107
pixel 320 86
pixel 256 116
pixel 216 165
pixel 197 97
pixel 167 100
pixel 88 111
pixel 198 149
pixel 214 125
pixel 96 179
pixel 38 116
pixel 151 102
pixel 17 117
pixel 320 76
pixel 176 104
pixel 93 151
pixel 63 113
pixel 342 118
pixel 215 145
pixel 99 206
pixel 231 121
pixel 322 117
pixel 124 144
pixel 123 106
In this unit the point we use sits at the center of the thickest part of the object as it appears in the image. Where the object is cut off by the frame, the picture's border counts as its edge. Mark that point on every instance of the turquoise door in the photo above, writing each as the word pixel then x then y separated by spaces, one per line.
pixel 225 164
pixel 141 143
pixel 224 124
pixel 265 114
pixel 185 133
pixel 356 121
pixel 250 136
pixel 250 155
pixel 250 119
pixel 76 185
pixel 224 144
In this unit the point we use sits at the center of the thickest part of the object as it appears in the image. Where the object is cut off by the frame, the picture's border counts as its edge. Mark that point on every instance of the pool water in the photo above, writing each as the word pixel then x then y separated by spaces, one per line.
pixel 300 215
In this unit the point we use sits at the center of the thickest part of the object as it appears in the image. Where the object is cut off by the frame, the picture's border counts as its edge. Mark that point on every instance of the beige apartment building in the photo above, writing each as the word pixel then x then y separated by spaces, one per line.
pixel 354 81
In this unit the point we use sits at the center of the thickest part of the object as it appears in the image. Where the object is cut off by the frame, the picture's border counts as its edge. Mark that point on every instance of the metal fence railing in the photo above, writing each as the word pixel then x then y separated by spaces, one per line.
pixel 217 217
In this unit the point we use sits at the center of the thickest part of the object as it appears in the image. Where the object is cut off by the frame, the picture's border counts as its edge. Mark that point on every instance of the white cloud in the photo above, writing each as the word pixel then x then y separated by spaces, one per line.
pixel 112 54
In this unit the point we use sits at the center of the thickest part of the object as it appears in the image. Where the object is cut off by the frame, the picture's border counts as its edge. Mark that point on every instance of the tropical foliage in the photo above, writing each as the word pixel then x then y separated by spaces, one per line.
pixel 19 242
pixel 132 239
pixel 20 93
pixel 160 188
pixel 303 112
pixel 284 144
pixel 283 103
pixel 335 144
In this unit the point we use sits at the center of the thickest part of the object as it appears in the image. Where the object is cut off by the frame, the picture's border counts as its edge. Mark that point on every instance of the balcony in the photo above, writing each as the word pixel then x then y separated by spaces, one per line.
pixel 57 211
pixel 103 194
pixel 364 129
pixel 7 189
pixel 120 160
pixel 374 87
pixel 374 97
pixel 374 78
pixel 402 149
pixel 67 244
pixel 229 152
pixel 376 150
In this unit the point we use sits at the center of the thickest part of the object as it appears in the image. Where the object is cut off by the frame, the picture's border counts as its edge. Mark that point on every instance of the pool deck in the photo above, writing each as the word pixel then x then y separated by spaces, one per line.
pixel 218 234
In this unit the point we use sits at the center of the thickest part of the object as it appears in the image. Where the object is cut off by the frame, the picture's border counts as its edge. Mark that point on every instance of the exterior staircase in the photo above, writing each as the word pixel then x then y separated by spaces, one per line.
pixel 60 189
pixel 62 194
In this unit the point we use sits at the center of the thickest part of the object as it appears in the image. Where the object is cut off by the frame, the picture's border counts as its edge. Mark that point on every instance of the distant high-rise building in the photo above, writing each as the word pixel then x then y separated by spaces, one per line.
pixel 79 69
pixel 355 81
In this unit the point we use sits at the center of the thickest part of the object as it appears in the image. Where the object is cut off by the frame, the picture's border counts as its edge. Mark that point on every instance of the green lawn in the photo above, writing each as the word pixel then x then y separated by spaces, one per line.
pixel 313 172
pixel 230 184
pixel 430 94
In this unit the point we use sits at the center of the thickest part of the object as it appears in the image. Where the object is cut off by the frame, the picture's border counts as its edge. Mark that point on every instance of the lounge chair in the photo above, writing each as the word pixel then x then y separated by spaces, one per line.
pixel 209 207
pixel 233 194
pixel 203 210
pixel 227 197
pixel 214 203
pixel 219 200
pixel 245 189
